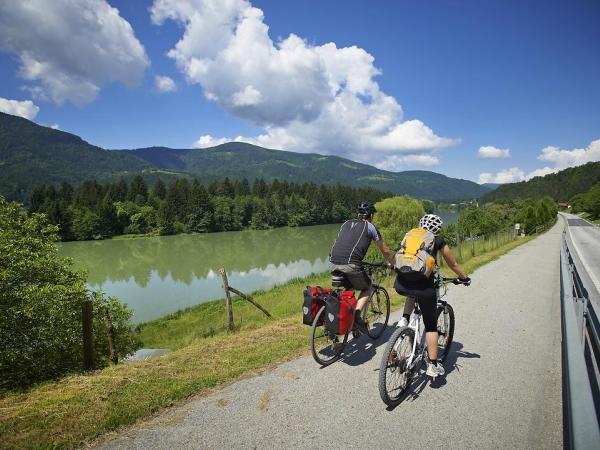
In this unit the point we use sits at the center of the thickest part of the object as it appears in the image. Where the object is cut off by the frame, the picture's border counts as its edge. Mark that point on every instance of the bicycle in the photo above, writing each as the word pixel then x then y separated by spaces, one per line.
pixel 327 348
pixel 404 354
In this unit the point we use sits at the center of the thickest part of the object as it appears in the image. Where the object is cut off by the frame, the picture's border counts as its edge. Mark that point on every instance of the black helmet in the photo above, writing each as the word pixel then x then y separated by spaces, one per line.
pixel 366 208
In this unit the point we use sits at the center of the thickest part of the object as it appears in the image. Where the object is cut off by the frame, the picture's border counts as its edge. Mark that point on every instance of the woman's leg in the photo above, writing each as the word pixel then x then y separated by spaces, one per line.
pixel 409 307
pixel 427 306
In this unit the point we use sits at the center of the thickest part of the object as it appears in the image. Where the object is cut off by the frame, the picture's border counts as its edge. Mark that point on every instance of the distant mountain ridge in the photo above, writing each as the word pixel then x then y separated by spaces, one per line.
pixel 31 154
pixel 238 160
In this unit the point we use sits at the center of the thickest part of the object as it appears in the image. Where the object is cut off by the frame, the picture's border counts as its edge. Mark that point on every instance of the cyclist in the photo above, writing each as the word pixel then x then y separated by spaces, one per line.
pixel 425 292
pixel 350 248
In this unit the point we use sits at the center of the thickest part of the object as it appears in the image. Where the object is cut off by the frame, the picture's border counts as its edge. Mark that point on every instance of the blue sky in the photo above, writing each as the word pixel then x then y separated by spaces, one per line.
pixel 423 85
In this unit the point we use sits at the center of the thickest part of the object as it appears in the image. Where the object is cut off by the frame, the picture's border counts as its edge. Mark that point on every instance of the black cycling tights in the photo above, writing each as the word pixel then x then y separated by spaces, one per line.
pixel 428 307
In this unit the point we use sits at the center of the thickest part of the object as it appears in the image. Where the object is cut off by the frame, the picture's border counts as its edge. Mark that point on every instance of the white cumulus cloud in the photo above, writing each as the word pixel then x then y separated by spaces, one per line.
pixel 208 141
pixel 396 163
pixel 511 175
pixel 310 98
pixel 25 108
pixel 491 152
pixel 571 158
pixel 164 84
pixel 69 49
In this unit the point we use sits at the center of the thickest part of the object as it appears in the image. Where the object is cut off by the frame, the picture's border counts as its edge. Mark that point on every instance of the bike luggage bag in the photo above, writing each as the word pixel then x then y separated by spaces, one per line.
pixel 313 301
pixel 339 316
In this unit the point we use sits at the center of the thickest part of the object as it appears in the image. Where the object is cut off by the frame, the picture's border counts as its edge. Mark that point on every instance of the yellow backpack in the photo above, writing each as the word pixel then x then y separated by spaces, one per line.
pixel 414 260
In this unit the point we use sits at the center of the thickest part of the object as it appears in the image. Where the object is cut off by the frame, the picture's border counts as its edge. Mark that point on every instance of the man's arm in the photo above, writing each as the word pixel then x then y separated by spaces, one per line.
pixel 387 254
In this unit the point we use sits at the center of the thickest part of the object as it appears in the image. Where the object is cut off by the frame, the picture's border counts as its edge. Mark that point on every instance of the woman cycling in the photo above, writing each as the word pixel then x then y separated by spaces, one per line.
pixel 424 291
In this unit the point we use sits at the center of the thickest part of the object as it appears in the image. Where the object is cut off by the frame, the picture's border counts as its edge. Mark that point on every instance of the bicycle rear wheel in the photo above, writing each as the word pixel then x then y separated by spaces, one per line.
pixel 376 312
pixel 445 326
pixel 394 374
pixel 326 348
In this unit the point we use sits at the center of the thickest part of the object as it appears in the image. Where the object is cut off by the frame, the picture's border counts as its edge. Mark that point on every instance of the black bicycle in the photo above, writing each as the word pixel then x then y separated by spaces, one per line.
pixel 327 348
pixel 406 350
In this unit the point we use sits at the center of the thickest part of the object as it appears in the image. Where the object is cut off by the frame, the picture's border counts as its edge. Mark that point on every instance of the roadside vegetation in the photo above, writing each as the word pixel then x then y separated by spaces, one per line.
pixel 588 203
pixel 78 408
pixel 40 299
pixel 96 211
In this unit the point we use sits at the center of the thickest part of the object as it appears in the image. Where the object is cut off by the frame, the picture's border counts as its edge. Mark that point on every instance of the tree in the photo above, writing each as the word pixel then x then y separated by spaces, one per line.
pixel 159 190
pixel 40 299
pixel 86 223
pixel 138 191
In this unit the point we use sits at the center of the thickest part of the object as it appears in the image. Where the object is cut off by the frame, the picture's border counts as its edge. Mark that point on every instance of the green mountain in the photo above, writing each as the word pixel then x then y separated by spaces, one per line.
pixel 238 160
pixel 561 186
pixel 31 154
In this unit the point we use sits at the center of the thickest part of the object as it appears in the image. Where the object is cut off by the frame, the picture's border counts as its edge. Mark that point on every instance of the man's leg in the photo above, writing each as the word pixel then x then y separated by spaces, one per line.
pixel 431 337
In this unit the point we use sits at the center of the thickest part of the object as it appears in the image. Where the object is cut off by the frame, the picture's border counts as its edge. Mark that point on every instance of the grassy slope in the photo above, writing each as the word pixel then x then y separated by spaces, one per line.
pixel 76 409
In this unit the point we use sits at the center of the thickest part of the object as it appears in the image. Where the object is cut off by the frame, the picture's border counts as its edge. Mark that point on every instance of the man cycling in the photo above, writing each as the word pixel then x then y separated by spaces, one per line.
pixel 350 248
pixel 425 292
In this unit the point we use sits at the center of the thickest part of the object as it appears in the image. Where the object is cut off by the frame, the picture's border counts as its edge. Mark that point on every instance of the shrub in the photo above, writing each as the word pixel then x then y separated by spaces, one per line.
pixel 40 299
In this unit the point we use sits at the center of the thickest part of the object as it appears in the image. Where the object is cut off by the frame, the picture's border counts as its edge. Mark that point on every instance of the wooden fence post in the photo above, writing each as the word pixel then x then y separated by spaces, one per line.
pixel 472 246
pixel 249 299
pixel 87 321
pixel 228 305
pixel 459 246
pixel 497 240
pixel 114 356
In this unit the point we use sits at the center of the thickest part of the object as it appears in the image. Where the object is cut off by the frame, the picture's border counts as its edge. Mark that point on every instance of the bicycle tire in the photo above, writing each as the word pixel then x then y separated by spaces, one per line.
pixel 393 366
pixel 320 336
pixel 445 339
pixel 376 308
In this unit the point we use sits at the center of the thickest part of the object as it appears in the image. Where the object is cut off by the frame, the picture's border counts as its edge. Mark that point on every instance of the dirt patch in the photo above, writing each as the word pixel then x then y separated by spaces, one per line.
pixel 263 402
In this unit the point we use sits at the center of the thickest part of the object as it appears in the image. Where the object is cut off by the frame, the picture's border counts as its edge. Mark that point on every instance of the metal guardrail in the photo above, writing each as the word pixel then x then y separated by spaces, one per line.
pixel 581 357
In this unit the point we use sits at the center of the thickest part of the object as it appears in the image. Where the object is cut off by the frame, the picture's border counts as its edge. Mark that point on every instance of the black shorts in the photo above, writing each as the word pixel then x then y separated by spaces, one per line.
pixel 425 293
pixel 355 276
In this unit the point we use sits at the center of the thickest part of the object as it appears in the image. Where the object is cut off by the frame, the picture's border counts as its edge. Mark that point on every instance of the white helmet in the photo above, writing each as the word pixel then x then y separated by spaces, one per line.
pixel 432 223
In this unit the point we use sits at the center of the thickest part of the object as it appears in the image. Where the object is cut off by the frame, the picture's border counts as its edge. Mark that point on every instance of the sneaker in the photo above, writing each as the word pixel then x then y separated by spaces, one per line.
pixel 360 324
pixel 435 371
pixel 403 322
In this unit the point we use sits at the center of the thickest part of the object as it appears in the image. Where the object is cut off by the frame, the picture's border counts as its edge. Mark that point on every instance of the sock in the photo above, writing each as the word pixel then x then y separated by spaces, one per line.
pixel 406 316
pixel 434 362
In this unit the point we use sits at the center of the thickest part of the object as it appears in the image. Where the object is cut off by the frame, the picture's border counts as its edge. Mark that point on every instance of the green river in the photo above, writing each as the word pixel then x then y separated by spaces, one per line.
pixel 158 275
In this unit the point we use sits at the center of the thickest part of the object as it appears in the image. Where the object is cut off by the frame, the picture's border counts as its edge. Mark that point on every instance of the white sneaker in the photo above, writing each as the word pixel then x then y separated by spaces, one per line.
pixel 435 371
pixel 403 322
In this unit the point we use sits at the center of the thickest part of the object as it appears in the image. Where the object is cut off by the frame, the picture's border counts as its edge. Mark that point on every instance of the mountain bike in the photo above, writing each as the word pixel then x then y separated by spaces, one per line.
pixel 406 349
pixel 327 348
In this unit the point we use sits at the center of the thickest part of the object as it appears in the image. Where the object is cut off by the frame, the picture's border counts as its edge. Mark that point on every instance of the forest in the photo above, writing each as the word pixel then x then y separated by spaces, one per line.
pixel 96 210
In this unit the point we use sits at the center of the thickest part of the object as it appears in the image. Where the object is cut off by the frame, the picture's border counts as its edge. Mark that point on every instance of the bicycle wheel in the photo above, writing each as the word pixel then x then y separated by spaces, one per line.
pixel 445 325
pixel 376 312
pixel 394 374
pixel 325 347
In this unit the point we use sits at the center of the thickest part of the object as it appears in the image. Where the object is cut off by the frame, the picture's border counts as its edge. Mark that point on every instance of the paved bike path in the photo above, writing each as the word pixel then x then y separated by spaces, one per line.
pixel 502 388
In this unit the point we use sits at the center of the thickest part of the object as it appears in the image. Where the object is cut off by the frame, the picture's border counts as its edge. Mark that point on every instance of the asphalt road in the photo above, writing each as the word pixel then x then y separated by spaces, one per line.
pixel 503 387
pixel 586 241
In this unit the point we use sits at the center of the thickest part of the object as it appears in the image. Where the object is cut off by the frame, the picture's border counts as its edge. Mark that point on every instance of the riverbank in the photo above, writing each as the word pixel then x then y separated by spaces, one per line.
pixel 76 409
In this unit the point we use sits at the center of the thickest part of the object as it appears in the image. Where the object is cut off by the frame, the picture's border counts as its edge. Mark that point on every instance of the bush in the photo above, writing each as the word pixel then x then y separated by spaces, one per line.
pixel 40 299
pixel 394 217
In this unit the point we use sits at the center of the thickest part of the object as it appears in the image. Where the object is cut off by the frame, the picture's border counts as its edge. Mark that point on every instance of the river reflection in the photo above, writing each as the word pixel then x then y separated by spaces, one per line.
pixel 159 275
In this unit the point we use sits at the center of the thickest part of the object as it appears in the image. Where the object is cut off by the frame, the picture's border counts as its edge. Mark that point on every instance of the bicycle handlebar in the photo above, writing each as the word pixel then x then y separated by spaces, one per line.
pixel 466 281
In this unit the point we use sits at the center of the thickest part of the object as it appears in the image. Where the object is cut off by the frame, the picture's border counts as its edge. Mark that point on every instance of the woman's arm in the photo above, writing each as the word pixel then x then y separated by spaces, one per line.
pixel 449 257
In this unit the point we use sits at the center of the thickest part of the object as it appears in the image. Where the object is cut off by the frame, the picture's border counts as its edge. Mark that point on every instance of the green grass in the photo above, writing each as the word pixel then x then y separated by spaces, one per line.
pixel 588 217
pixel 76 409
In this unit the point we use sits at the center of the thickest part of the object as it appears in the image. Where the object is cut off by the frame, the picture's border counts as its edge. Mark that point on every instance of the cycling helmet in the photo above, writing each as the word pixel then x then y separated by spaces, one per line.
pixel 431 222
pixel 366 208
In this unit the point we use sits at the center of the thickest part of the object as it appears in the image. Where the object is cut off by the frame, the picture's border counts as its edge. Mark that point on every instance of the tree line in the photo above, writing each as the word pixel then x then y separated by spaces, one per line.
pixel 93 210
pixel 588 202
pixel 493 217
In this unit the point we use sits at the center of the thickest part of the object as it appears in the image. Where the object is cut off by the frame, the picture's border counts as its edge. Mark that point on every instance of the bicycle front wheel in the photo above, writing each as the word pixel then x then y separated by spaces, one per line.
pixel 376 312
pixel 394 373
pixel 326 348
pixel 445 326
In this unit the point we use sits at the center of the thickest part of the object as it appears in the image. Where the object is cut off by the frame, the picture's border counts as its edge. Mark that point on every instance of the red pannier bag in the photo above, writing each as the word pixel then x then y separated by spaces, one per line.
pixel 339 316
pixel 314 299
